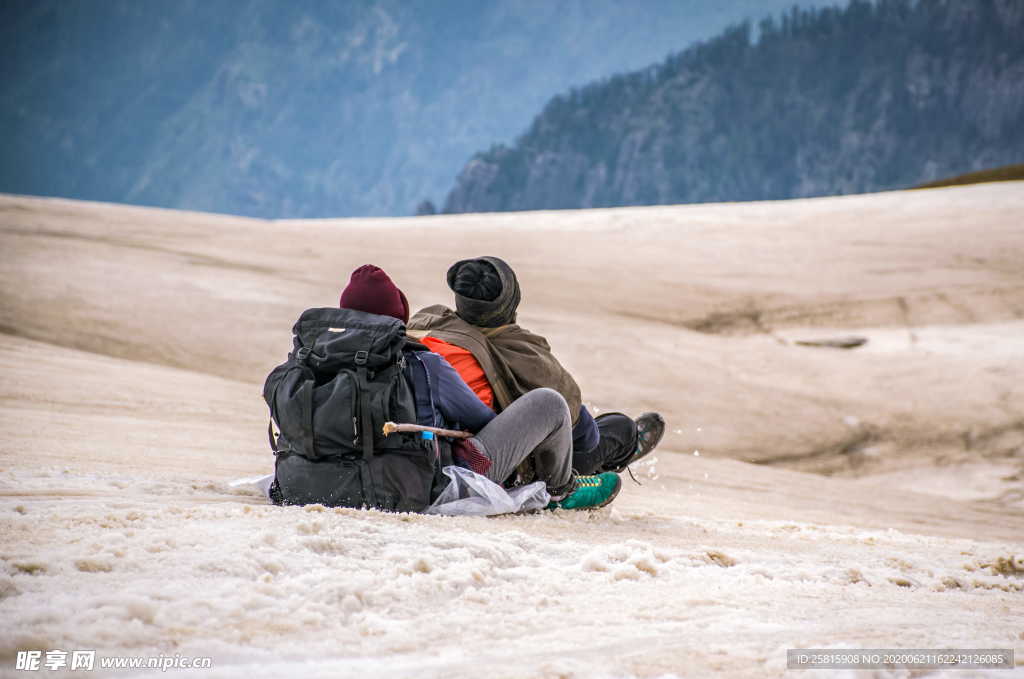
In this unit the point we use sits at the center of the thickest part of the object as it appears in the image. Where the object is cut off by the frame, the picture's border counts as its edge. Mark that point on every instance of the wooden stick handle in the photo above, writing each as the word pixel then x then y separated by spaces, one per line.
pixel 391 428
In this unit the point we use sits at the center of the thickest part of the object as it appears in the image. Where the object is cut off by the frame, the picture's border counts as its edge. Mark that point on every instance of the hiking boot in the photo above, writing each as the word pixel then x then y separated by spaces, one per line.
pixel 591 492
pixel 650 427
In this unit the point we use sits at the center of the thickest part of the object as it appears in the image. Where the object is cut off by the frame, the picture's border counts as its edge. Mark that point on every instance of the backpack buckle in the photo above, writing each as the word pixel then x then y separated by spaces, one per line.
pixel 302 354
pixel 361 357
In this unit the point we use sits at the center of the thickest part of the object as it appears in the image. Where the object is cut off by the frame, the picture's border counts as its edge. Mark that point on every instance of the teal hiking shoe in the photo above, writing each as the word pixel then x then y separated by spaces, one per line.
pixel 591 492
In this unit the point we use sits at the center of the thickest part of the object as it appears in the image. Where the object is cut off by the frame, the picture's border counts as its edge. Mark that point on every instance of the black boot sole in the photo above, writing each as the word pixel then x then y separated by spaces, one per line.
pixel 611 497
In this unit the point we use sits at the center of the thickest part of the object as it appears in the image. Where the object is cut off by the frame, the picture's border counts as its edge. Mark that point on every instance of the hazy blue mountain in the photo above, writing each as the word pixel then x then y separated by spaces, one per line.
pixel 829 101
pixel 301 107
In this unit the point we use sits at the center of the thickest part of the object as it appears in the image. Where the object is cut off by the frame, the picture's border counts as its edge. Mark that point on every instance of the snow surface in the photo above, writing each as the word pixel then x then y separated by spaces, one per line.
pixel 133 343
pixel 131 566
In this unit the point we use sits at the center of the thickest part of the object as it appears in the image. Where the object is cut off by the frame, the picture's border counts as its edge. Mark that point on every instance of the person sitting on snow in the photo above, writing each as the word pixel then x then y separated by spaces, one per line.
pixel 502 361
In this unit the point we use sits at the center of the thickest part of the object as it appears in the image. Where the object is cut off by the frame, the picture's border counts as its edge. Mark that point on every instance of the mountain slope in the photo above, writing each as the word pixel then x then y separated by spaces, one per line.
pixel 701 323
pixel 873 96
pixel 1007 173
pixel 298 109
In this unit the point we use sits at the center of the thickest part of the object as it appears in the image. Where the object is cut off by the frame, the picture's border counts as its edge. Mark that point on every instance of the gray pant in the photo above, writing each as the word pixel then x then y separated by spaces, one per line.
pixel 537 423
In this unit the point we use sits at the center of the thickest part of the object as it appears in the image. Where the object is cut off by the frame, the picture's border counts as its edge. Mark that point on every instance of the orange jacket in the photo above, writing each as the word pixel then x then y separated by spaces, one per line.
pixel 466 365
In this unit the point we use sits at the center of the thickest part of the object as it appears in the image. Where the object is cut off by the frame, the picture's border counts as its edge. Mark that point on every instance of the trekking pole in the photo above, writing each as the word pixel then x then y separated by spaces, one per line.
pixel 391 428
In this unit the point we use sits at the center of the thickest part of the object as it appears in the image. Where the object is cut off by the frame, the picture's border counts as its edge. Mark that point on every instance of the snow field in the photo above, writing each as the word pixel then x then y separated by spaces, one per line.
pixel 170 566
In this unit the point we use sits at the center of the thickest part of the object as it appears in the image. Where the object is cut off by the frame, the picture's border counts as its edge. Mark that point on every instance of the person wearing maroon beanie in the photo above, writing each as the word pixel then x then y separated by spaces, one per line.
pixel 371 290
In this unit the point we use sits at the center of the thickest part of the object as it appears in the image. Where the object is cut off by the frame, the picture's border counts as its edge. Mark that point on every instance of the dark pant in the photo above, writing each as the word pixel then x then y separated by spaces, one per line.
pixel 616 446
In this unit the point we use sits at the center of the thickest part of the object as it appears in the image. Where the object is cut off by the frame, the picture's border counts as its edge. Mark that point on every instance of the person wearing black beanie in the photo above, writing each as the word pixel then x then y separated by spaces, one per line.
pixel 514 361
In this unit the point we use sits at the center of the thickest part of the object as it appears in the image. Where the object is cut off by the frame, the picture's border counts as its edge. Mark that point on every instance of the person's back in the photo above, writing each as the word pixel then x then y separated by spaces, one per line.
pixel 353 363
pixel 514 360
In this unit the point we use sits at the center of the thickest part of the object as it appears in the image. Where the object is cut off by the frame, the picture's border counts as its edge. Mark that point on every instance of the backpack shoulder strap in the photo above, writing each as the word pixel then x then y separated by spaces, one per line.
pixel 422 388
pixel 366 432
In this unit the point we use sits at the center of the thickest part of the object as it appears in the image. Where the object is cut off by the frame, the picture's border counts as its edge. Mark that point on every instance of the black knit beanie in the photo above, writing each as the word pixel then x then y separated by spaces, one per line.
pixel 486 291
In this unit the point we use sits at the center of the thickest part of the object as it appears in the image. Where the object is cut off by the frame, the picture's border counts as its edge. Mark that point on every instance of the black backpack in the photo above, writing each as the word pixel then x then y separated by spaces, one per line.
pixel 346 376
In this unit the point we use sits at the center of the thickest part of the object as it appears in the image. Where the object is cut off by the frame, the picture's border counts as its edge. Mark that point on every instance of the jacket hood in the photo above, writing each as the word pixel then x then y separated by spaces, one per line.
pixel 488 313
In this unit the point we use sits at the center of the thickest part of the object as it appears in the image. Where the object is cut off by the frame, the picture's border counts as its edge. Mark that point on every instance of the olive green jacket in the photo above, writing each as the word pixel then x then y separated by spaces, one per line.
pixel 513 359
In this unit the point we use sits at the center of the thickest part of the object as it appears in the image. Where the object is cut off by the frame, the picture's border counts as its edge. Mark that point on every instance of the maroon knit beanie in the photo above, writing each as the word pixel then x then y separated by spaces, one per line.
pixel 371 290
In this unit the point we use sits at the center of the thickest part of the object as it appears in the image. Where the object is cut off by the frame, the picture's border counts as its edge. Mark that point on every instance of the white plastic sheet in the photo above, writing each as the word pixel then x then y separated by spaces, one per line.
pixel 259 483
pixel 470 494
